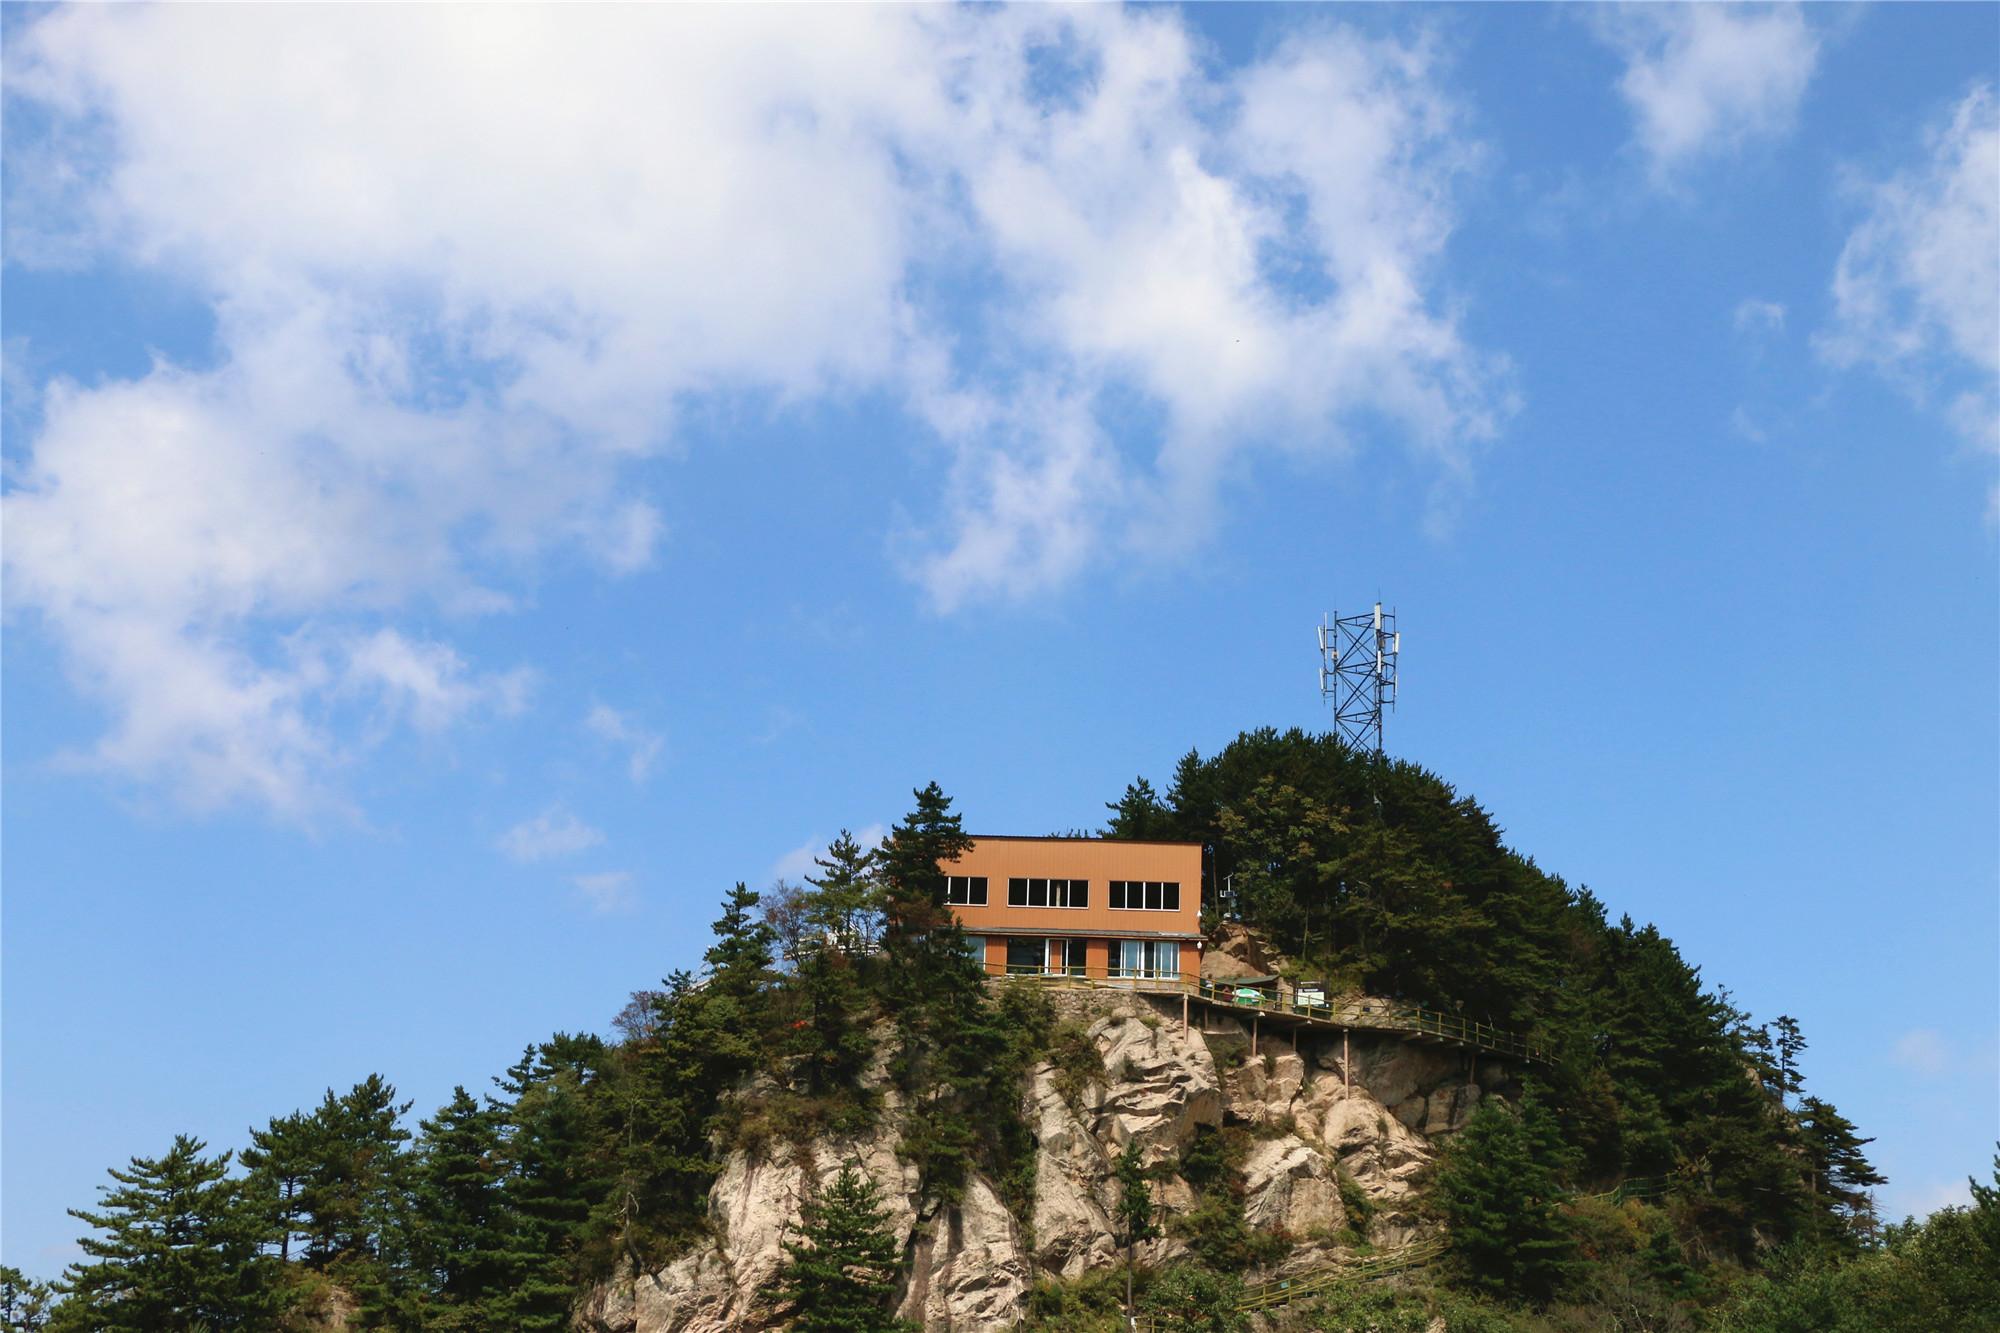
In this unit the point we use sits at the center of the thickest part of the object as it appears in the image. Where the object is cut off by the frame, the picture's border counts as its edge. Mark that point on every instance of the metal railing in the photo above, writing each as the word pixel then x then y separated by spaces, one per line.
pixel 1645 1188
pixel 1285 1290
pixel 1368 1015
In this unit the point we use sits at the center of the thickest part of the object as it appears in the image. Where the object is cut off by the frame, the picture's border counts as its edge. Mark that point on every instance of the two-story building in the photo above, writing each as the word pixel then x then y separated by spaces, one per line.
pixel 1087 907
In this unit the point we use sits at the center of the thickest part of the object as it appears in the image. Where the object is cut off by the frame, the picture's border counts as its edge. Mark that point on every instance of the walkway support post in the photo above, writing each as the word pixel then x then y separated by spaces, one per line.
pixel 1346 1076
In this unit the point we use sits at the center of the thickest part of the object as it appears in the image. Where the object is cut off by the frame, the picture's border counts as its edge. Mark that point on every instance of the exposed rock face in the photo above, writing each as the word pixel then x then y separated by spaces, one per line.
pixel 1308 1121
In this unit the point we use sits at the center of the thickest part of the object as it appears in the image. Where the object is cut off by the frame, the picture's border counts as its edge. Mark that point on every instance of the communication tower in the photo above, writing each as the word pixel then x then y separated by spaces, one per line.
pixel 1357 673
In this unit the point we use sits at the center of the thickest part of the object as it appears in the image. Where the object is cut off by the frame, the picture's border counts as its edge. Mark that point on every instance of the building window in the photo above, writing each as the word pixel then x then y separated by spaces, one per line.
pixel 1048 892
pixel 1159 959
pixel 965 890
pixel 1027 957
pixel 1146 895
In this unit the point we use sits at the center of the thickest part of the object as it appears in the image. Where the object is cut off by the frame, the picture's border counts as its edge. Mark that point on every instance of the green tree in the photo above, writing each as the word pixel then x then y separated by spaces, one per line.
pixel 1499 1190
pixel 1841 1174
pixel 280 1161
pixel 459 1183
pixel 828 1038
pixel 1790 1043
pixel 740 958
pixel 554 1181
pixel 840 1275
pixel 1135 1208
pixel 354 1204
pixel 847 902
pixel 181 1249
pixel 1139 814
pixel 951 1050
pixel 1190 1299
pixel 25 1304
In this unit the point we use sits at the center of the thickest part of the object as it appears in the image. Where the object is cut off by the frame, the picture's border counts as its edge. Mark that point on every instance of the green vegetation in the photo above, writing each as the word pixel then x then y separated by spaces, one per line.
pixel 1135 1207
pixel 840 1275
pixel 593 1156
pixel 1188 1298
pixel 1498 1190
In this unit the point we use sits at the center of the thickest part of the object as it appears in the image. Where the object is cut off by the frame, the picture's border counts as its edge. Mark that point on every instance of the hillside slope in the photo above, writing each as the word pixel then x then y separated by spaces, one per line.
pixel 1294 1119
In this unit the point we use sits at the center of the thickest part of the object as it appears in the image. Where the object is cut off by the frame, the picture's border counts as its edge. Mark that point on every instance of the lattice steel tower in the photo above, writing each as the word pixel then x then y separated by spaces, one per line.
pixel 1357 673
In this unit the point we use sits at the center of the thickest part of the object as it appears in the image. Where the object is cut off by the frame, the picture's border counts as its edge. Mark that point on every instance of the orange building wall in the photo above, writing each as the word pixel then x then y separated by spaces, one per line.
pixel 1096 860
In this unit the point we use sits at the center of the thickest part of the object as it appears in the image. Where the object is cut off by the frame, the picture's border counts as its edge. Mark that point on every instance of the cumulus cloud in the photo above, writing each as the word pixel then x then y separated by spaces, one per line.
pixel 555 832
pixel 1705 80
pixel 1916 291
pixel 1922 1051
pixel 464 268
pixel 642 747
pixel 606 893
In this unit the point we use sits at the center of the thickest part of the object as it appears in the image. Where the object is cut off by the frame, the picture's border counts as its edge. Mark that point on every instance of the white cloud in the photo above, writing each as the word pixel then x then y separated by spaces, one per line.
pixel 642 747
pixel 1747 426
pixel 427 682
pixel 608 892
pixel 555 832
pixel 465 266
pixel 796 864
pixel 1759 318
pixel 1922 1051
pixel 1924 1198
pixel 1916 292
pixel 1705 80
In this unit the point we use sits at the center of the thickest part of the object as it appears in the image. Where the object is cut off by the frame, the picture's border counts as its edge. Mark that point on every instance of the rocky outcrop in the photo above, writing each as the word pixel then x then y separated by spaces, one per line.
pixel 1312 1114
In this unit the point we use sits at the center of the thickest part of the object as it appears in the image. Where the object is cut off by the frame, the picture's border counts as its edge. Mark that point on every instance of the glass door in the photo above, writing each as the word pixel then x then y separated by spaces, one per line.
pixel 1026 957
pixel 1065 958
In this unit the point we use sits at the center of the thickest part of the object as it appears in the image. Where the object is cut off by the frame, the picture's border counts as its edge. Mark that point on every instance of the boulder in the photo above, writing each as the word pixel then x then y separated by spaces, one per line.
pixel 967 1269
pixel 1290 1186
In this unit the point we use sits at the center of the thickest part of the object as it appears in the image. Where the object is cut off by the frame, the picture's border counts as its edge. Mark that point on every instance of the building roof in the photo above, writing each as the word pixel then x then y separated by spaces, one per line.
pixel 1063 837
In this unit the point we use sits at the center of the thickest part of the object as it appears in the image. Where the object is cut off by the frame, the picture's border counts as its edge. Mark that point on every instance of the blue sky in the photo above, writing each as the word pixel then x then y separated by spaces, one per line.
pixel 478 483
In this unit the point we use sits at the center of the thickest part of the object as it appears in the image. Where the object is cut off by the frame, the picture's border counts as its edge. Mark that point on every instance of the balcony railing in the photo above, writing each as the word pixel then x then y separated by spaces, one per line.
pixel 1374 1015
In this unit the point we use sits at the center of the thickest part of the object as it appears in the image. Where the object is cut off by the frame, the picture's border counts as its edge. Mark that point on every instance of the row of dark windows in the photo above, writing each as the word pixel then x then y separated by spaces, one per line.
pixel 1048 893
pixel 1126 894
pixel 1150 895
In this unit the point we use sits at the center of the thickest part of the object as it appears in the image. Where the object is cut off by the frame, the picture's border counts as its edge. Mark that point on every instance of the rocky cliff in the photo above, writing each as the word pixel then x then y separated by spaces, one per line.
pixel 1369 1109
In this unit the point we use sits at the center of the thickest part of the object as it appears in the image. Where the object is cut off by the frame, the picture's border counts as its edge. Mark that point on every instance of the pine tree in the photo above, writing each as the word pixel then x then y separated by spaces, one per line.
pixel 1498 1188
pixel 181 1250
pixel 848 903
pixel 552 1186
pixel 1841 1175
pixel 26 1305
pixel 354 1202
pixel 1138 814
pixel 280 1162
pixel 911 860
pixel 1135 1208
pixel 828 1040
pixel 459 1199
pixel 740 959
pixel 949 1046
pixel 355 1186
pixel 1790 1043
pixel 840 1275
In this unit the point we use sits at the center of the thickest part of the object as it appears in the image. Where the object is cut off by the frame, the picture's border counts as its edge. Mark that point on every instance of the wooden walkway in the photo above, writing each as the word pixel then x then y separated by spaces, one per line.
pixel 1283 1014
